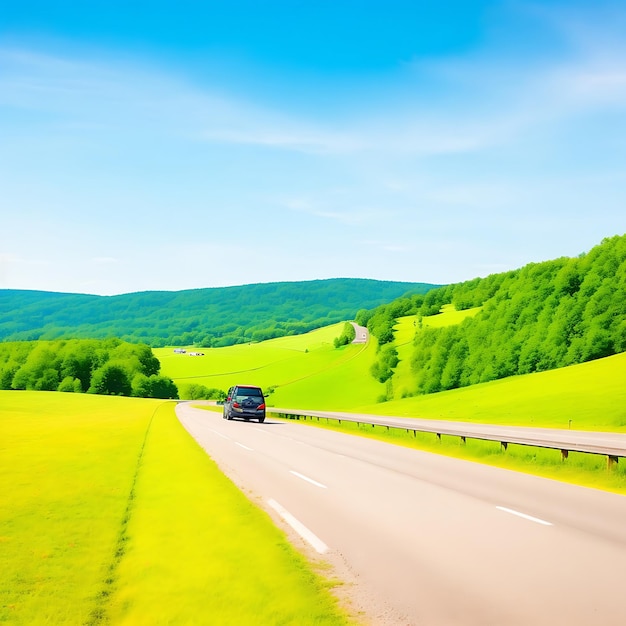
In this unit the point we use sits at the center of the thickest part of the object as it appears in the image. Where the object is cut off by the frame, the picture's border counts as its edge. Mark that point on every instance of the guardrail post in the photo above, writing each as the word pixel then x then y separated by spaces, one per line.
pixel 438 436
pixel 564 455
pixel 504 445
pixel 463 441
pixel 612 462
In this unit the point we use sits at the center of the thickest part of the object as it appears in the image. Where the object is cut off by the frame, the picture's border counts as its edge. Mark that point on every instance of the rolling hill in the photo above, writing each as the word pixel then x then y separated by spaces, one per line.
pixel 203 317
pixel 308 372
pixel 540 317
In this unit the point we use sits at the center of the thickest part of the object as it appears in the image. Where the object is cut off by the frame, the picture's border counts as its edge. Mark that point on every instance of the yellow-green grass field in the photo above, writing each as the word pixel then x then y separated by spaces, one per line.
pixel 303 369
pixel 309 373
pixel 589 396
pixel 111 513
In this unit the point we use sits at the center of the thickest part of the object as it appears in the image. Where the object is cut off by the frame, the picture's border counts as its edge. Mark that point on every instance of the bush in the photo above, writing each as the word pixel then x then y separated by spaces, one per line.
pixel 154 387
pixel 200 392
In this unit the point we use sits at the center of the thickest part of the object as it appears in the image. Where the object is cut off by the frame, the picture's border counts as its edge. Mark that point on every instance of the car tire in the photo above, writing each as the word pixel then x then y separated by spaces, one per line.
pixel 261 419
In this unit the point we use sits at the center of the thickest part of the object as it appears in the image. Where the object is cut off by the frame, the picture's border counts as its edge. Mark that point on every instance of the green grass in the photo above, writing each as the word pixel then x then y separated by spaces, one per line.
pixel 589 396
pixel 300 369
pixel 66 469
pixel 309 373
pixel 111 513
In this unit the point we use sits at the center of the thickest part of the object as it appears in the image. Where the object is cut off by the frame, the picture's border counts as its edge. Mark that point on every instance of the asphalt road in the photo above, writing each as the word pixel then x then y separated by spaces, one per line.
pixel 599 442
pixel 425 539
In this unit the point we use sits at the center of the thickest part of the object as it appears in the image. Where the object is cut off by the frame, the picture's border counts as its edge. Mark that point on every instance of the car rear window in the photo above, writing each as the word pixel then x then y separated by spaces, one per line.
pixel 249 391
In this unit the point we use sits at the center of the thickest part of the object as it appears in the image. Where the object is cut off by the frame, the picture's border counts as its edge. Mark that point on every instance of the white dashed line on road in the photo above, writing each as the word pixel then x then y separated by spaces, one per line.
pixel 309 480
pixel 215 432
pixel 310 537
pixel 530 518
pixel 241 445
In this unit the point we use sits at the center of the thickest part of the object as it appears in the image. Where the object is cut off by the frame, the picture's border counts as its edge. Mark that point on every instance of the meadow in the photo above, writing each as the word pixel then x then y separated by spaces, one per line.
pixel 111 513
pixel 588 396
pixel 300 369
pixel 307 372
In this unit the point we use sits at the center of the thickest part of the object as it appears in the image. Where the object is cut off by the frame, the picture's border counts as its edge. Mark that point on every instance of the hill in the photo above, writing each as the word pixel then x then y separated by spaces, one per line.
pixel 202 317
pixel 540 317
pixel 304 370
pixel 308 372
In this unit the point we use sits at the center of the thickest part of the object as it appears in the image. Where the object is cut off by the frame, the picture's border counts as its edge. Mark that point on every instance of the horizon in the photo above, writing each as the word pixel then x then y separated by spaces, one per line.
pixel 273 282
pixel 210 145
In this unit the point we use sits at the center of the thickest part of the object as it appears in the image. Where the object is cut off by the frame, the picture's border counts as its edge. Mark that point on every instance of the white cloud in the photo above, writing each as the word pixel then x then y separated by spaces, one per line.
pixel 496 147
pixel 479 102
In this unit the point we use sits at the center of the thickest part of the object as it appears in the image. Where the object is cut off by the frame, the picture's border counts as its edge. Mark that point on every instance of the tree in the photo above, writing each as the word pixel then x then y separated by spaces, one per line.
pixel 71 385
pixel 347 336
pixel 387 360
pixel 200 392
pixel 154 386
pixel 111 380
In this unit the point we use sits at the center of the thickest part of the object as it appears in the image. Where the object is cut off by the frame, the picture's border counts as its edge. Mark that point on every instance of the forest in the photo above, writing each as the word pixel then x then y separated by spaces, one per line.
pixel 200 317
pixel 106 367
pixel 540 317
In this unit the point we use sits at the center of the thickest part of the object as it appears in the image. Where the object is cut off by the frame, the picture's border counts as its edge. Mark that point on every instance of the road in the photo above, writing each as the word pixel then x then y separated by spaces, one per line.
pixel 558 438
pixel 425 539
pixel 361 334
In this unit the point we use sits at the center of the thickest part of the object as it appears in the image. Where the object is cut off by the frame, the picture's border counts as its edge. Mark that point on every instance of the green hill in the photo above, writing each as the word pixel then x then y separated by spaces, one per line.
pixel 308 372
pixel 538 318
pixel 304 370
pixel 202 317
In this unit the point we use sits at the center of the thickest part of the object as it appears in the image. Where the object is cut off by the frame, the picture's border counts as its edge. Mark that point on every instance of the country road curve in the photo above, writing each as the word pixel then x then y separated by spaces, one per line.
pixel 425 539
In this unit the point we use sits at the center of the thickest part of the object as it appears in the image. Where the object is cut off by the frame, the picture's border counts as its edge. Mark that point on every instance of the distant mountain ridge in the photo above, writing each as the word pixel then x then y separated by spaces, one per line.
pixel 216 316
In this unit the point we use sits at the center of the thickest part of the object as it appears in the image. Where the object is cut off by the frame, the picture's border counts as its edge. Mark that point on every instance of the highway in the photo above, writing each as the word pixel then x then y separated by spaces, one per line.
pixel 425 539
pixel 557 438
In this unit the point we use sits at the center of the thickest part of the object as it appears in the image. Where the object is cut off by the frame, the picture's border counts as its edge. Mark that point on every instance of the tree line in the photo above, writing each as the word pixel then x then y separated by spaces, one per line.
pixel 107 367
pixel 540 317
pixel 201 317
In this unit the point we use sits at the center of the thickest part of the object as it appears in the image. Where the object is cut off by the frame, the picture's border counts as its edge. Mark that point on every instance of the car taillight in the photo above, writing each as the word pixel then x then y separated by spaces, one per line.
pixel 261 406
pixel 236 405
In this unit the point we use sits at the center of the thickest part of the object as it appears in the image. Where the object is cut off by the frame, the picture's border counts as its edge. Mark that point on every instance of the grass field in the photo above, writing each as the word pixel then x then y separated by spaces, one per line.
pixel 299 369
pixel 589 396
pixel 111 513
pixel 309 373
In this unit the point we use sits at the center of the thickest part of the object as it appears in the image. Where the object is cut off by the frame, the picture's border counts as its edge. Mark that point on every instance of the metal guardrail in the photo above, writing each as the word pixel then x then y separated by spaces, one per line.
pixel 550 438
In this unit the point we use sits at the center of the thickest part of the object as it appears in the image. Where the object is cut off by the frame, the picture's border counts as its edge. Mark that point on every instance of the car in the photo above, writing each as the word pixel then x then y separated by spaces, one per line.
pixel 246 402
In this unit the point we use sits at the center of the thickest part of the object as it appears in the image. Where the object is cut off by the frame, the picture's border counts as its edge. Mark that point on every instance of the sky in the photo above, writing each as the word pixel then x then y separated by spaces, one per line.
pixel 179 145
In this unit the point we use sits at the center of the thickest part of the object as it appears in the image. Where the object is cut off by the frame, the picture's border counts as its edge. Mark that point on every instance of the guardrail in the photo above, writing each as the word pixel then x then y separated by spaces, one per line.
pixel 613 446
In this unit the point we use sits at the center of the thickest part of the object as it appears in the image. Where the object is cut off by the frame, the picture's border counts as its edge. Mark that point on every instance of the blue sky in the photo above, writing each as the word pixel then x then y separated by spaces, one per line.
pixel 157 145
